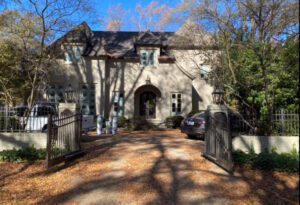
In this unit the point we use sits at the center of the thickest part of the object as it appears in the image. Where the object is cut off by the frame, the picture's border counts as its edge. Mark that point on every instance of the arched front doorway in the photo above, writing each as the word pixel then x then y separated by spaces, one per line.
pixel 147 101
pixel 148 104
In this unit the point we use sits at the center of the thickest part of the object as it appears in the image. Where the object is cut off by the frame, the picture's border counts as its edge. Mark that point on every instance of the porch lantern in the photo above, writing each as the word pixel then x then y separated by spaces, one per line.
pixel 70 95
pixel 217 95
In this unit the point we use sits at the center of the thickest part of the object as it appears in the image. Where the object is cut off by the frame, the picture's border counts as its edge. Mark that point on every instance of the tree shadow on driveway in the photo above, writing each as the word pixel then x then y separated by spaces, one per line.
pixel 159 167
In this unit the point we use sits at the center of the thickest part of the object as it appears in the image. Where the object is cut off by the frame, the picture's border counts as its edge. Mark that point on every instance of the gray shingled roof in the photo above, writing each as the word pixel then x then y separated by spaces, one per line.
pixel 120 43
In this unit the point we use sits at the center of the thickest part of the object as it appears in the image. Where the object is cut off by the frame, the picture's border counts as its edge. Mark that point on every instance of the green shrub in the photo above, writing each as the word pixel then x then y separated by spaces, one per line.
pixel 25 154
pixel 173 121
pixel 129 124
pixel 243 158
pixel 122 121
pixel 140 123
pixel 266 160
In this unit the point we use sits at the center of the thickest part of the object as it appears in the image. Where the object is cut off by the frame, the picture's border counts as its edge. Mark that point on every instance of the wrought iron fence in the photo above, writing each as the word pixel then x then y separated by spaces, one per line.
pixel 20 119
pixel 281 122
pixel 285 122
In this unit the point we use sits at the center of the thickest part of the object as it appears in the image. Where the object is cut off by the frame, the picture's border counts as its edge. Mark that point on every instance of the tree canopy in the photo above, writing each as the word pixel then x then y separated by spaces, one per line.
pixel 259 42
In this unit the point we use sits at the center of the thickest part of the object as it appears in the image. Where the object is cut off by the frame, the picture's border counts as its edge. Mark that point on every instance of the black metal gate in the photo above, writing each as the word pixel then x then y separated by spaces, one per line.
pixel 218 142
pixel 63 138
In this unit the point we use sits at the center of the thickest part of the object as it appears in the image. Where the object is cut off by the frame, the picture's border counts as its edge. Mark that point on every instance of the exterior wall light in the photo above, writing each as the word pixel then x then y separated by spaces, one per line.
pixel 218 95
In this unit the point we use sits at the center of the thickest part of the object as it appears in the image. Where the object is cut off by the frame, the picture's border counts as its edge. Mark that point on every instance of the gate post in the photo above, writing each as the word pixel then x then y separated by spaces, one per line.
pixel 218 140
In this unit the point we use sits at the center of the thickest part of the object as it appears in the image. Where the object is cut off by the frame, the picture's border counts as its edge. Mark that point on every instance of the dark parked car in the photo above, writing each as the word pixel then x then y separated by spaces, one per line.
pixel 194 126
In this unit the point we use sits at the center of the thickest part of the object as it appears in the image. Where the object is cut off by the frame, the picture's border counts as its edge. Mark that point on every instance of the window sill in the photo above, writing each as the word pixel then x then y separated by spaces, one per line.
pixel 148 66
pixel 73 63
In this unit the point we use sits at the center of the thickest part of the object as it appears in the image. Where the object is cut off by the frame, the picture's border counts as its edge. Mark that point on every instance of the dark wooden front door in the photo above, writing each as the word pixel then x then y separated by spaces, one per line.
pixel 148 104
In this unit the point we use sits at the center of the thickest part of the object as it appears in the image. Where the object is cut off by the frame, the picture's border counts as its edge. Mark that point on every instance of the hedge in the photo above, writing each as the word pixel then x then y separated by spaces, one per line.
pixel 288 162
pixel 25 154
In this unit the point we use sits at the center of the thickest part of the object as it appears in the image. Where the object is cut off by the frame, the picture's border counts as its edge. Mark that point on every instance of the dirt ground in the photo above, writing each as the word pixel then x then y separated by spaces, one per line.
pixel 135 168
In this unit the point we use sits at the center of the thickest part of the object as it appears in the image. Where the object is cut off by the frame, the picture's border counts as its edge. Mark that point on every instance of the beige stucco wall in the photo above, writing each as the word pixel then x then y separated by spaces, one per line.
pixel 121 75
pixel 88 71
pixel 128 77
pixel 259 143
pixel 9 141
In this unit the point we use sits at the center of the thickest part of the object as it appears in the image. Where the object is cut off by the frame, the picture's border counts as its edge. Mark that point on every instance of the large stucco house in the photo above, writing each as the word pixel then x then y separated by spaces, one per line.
pixel 148 74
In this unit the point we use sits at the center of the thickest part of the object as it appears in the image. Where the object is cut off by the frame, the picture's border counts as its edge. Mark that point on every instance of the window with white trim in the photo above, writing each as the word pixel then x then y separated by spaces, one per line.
pixel 87 99
pixel 176 104
pixel 73 54
pixel 147 57
pixel 118 103
pixel 55 93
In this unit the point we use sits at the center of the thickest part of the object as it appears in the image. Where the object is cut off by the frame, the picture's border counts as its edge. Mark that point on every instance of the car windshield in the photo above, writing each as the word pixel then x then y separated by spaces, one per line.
pixel 45 111
pixel 199 115
pixel 20 111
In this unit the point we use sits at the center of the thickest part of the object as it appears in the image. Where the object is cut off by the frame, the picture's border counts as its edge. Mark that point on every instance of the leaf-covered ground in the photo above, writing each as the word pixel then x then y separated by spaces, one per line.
pixel 133 168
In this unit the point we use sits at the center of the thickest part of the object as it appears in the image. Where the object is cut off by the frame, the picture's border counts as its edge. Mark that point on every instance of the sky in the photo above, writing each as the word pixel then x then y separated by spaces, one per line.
pixel 101 8
pixel 99 13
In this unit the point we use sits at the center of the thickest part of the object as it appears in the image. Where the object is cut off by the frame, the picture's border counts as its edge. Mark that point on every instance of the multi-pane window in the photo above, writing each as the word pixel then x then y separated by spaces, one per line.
pixel 73 54
pixel 55 93
pixel 87 99
pixel 204 70
pixel 147 57
pixel 176 104
pixel 118 103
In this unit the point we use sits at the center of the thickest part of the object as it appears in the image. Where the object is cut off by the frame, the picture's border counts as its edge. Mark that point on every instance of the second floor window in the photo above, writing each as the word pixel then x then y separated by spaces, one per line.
pixel 73 54
pixel 147 57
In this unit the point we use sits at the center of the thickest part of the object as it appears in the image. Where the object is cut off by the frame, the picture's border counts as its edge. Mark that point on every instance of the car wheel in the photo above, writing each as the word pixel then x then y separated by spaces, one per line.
pixel 202 136
pixel 45 129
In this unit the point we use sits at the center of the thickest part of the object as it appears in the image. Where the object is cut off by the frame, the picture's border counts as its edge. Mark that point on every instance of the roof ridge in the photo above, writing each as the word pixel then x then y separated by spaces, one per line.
pixel 133 31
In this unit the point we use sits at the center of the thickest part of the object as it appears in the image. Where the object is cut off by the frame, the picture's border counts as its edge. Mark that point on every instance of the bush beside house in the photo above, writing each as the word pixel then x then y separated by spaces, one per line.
pixel 173 121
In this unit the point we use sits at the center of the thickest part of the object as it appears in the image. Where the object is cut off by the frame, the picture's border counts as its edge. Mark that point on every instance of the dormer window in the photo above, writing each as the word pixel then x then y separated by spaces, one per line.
pixel 73 54
pixel 147 57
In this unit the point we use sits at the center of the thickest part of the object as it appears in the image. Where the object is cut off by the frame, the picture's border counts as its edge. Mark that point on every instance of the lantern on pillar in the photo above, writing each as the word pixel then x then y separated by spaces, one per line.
pixel 218 95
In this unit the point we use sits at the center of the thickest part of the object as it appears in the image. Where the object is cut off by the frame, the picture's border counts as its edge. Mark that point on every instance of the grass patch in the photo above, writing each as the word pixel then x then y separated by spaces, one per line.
pixel 284 162
pixel 21 155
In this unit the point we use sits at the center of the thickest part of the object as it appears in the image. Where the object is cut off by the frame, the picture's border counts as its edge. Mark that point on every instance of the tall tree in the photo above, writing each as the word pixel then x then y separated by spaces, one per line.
pixel 251 34
pixel 116 18
pixel 153 16
pixel 35 25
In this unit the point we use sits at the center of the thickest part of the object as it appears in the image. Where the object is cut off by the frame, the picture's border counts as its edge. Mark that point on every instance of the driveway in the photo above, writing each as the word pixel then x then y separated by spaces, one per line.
pixel 155 167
